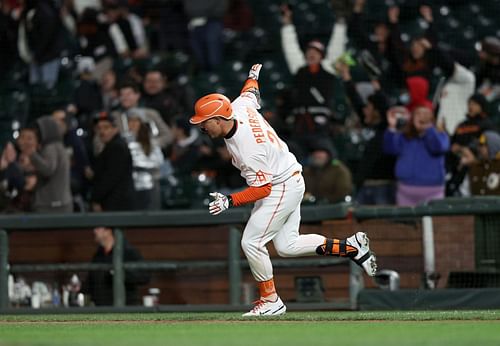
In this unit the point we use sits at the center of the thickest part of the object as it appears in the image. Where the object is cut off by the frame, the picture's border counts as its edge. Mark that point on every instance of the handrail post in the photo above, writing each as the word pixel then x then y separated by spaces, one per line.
pixel 4 269
pixel 356 284
pixel 118 272
pixel 234 266
pixel 429 251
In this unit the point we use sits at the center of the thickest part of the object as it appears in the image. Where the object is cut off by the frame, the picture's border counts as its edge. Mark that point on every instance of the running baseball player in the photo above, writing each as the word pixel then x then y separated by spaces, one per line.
pixel 275 185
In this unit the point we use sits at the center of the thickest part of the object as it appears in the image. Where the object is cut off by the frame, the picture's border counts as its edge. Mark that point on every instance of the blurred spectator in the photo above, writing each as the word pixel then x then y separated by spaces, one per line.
pixel 465 136
pixel 96 41
pixel 171 21
pixel 483 165
pixel 99 284
pixel 41 41
pixel 420 151
pixel 109 91
pixel 13 194
pixel 488 148
pixel 165 96
pixel 147 159
pixel 8 38
pixel 77 154
pixel 374 175
pixel 239 16
pixel 327 179
pixel 206 31
pixel 129 98
pixel 52 167
pixel 129 27
pixel 87 97
pixel 28 139
pixel 422 56
pixel 374 46
pixel 314 80
pixel 184 153
pixel 453 99
pixel 476 123
pixel 488 74
pixel 113 187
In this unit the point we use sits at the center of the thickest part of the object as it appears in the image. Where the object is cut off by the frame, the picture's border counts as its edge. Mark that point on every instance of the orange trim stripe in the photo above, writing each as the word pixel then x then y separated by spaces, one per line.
pixel 272 216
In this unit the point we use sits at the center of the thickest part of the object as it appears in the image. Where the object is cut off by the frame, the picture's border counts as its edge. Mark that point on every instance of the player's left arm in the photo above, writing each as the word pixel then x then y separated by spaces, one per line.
pixel 251 194
pixel 250 93
pixel 259 186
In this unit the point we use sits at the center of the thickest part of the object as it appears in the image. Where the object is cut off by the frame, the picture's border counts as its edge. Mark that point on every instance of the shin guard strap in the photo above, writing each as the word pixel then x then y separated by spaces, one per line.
pixel 336 247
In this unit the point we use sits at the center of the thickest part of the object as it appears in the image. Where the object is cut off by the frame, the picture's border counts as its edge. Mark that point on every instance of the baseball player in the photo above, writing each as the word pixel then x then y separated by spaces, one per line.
pixel 275 185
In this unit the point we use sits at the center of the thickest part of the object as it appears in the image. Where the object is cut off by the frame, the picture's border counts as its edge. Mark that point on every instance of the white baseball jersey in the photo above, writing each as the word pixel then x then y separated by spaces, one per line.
pixel 260 155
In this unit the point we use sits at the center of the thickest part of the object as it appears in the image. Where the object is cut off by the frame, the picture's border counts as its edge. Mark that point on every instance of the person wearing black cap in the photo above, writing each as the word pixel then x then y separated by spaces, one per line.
pixel 314 79
pixel 112 184
pixel 476 122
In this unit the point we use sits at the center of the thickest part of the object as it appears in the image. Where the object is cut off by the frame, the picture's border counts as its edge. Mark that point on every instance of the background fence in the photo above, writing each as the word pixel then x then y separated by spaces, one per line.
pixel 196 260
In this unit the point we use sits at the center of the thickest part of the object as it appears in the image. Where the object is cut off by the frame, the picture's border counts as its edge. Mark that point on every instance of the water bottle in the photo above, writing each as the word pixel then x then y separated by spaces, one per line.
pixel 56 297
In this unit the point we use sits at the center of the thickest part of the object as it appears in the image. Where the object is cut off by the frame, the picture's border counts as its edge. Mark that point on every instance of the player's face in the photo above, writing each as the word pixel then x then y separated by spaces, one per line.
pixel 211 127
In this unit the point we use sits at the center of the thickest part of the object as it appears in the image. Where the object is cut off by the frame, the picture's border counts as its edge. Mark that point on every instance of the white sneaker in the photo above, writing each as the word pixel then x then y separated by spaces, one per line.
pixel 264 308
pixel 365 258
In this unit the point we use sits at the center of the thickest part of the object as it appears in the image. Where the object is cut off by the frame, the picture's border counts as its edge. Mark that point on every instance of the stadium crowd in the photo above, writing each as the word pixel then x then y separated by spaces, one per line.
pixel 110 86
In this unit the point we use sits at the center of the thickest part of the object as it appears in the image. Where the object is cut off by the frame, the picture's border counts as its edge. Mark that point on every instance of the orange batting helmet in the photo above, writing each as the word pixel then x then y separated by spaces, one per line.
pixel 211 106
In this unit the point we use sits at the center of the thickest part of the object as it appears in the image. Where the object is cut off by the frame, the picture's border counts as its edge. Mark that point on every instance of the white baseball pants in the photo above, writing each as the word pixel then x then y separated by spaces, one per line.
pixel 277 218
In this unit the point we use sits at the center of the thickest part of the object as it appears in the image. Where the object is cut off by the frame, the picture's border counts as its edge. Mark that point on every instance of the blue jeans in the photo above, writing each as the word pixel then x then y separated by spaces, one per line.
pixel 207 44
pixel 46 74
pixel 377 195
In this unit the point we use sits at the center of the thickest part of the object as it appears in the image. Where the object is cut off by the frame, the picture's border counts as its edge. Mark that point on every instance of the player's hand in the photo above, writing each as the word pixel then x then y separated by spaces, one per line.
pixel 219 204
pixel 254 72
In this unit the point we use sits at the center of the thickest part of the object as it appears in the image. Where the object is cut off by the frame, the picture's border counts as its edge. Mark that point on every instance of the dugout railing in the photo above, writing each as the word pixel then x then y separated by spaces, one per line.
pixel 485 211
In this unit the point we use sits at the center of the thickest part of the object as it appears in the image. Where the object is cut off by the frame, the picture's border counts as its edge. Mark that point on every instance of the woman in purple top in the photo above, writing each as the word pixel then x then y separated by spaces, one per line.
pixel 420 149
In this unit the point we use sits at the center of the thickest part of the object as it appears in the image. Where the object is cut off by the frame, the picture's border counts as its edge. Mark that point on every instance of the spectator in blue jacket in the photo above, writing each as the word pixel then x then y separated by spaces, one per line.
pixel 420 149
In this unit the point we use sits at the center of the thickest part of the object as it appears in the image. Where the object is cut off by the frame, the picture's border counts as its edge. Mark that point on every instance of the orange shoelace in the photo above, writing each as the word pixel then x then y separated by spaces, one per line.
pixel 257 304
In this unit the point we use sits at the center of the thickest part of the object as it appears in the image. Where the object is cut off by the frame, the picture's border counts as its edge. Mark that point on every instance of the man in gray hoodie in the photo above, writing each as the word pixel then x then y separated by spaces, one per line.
pixel 51 164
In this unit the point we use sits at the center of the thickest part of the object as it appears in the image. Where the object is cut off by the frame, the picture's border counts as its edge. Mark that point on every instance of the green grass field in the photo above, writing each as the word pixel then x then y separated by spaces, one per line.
pixel 450 328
